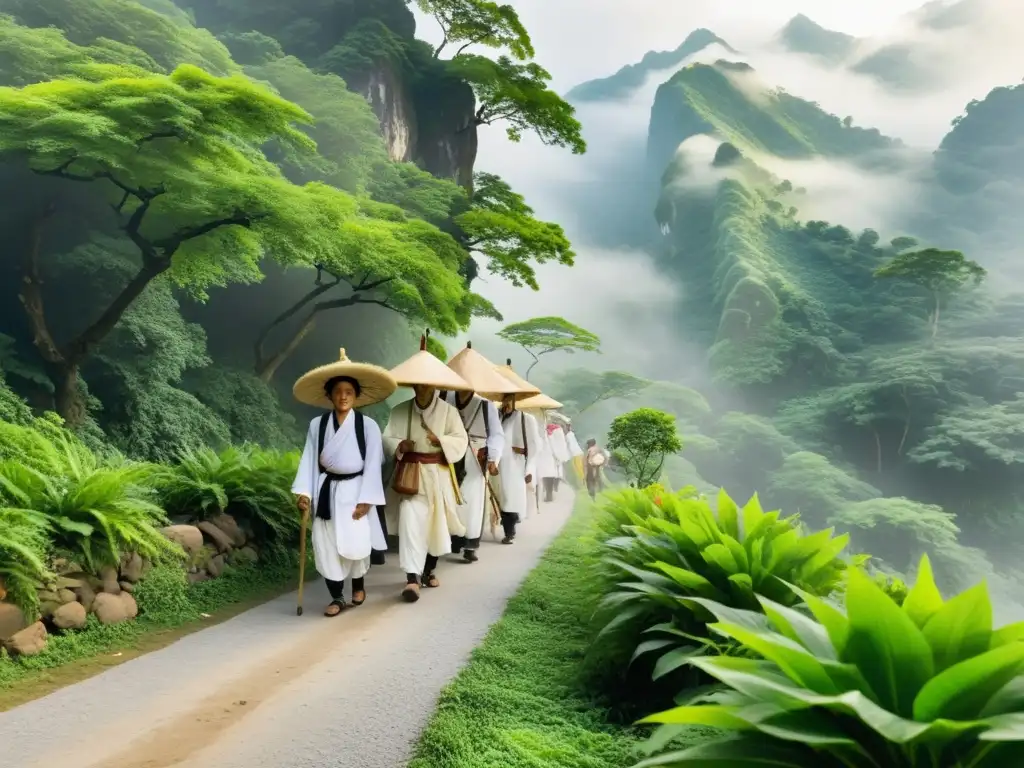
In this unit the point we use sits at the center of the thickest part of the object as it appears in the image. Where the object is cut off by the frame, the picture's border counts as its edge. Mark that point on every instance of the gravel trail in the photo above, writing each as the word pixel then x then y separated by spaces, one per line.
pixel 267 689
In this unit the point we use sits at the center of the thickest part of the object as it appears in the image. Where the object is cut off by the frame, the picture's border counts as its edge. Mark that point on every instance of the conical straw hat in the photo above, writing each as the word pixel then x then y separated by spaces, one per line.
pixel 481 373
pixel 526 389
pixel 541 402
pixel 375 383
pixel 423 368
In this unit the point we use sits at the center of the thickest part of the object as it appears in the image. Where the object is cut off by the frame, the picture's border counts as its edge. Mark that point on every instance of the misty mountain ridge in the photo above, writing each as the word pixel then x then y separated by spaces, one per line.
pixel 804 35
pixel 632 76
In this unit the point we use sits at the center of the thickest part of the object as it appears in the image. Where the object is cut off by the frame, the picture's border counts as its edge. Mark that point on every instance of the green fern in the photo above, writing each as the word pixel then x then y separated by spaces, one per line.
pixel 24 541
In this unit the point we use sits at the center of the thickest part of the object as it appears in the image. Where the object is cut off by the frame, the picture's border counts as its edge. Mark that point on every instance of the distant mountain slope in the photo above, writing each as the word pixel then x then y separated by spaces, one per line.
pixel 728 102
pixel 632 76
pixel 804 35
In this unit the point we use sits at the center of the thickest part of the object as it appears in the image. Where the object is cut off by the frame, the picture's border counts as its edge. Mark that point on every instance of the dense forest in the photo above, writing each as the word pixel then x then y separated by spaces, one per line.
pixel 206 199
pixel 866 379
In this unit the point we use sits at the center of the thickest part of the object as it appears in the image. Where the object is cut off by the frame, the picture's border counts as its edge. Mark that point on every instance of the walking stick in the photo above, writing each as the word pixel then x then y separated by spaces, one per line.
pixel 302 561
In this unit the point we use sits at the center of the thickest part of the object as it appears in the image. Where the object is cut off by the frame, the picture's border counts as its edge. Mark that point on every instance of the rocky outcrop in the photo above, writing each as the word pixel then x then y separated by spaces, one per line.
pixel 188 537
pixel 447 142
pixel 389 97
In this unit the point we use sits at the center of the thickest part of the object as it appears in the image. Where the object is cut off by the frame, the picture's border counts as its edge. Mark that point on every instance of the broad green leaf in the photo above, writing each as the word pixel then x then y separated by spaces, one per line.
pixel 887 647
pixel 962 691
pixel 709 715
pixel 719 555
pixel 728 519
pixel 752 515
pixel 1004 728
pixel 674 659
pixel 961 628
pixel 1011 633
pixel 652 645
pixel 924 599
pixel 739 554
pixel 684 578
pixel 747 752
pixel 810 727
pixel 624 616
pixel 831 618
pixel 799 628
pixel 791 657
pixel 1007 700
pixel 729 615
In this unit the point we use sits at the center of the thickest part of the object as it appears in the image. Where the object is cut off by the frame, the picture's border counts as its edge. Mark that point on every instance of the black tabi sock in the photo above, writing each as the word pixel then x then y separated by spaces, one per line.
pixel 428 569
pixel 335 588
pixel 359 585
pixel 412 578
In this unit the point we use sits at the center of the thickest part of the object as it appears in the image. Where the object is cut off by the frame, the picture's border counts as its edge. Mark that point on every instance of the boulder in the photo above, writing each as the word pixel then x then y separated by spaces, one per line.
pixel 196 578
pixel 66 582
pixel 216 536
pixel 109 609
pixel 70 616
pixel 12 620
pixel 229 525
pixel 131 568
pixel 48 596
pixel 131 608
pixel 27 642
pixel 244 556
pixel 67 596
pixel 108 575
pixel 86 595
pixel 47 607
pixel 188 536
pixel 216 566
pixel 127 586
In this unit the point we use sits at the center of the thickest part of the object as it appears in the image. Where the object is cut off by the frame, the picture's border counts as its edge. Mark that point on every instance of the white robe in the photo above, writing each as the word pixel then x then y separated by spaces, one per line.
pixel 427 521
pixel 520 432
pixel 553 452
pixel 341 545
pixel 474 510
pixel 574 445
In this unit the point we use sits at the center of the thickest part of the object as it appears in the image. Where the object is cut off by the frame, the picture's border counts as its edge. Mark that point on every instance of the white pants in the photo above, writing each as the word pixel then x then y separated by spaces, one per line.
pixel 474 493
pixel 329 563
pixel 414 534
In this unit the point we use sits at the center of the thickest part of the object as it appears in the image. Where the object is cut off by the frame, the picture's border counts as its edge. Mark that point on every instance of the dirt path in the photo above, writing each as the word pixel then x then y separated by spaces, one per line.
pixel 270 690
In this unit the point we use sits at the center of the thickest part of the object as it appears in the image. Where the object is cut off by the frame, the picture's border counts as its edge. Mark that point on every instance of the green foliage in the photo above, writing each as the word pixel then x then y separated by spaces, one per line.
pixel 478 22
pixel 809 484
pixel 501 226
pixel 24 545
pixel 250 484
pixel 437 349
pixel 252 48
pixel 544 335
pixel 672 556
pixel 518 94
pixel 250 408
pixel 929 683
pixel 640 440
pixel 416 192
pixel 518 702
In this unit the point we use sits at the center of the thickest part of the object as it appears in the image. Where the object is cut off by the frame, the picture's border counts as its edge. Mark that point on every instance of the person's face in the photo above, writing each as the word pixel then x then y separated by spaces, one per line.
pixel 424 392
pixel 508 402
pixel 343 396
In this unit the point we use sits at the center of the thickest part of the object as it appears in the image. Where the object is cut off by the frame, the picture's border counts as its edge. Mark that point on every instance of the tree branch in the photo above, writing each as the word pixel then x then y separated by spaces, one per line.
pixel 320 290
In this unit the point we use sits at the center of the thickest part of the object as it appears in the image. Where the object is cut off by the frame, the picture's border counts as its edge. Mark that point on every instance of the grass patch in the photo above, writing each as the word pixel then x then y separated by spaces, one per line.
pixel 519 703
pixel 169 609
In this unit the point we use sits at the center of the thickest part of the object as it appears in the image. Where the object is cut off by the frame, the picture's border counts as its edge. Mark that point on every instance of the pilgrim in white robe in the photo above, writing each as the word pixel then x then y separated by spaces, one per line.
pixel 575 452
pixel 427 521
pixel 483 425
pixel 341 545
pixel 518 461
pixel 551 456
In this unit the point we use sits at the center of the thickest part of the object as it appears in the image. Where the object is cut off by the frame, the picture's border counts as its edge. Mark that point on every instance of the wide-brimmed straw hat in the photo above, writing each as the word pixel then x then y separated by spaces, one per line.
pixel 426 370
pixel 375 383
pixel 539 402
pixel 526 389
pixel 560 418
pixel 481 374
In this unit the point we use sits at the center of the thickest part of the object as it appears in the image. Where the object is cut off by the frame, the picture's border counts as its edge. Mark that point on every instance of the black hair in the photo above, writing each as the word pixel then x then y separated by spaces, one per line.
pixel 336 380
pixel 591 442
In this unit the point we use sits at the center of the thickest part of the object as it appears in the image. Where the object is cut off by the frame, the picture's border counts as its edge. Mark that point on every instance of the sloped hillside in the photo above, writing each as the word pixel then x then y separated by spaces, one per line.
pixel 804 35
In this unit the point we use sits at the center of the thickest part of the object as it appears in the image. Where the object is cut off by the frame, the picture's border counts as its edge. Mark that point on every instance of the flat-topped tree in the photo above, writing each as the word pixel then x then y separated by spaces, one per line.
pixel 581 389
pixel 381 258
pixel 544 335
pixel 176 157
pixel 518 95
pixel 477 22
pixel 501 226
pixel 941 273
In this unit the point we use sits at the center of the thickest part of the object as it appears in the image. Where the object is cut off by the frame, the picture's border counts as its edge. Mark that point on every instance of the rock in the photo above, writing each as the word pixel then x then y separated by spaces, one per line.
pixel 86 596
pixel 244 556
pixel 109 609
pixel 229 525
pixel 196 578
pixel 47 608
pixel 70 616
pixel 127 586
pixel 27 642
pixel 220 539
pixel 131 568
pixel 188 536
pixel 95 583
pixel 62 566
pixel 47 596
pixel 216 566
pixel 65 582
pixel 131 608
pixel 67 596
pixel 12 620
pixel 108 574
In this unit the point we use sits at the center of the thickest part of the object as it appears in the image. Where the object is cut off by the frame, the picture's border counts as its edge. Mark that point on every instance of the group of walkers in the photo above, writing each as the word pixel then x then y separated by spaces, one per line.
pixel 468 449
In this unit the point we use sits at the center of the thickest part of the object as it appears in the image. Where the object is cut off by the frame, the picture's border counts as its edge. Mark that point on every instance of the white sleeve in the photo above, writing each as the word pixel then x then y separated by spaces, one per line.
pixel 371 488
pixel 496 438
pixel 309 466
pixel 533 439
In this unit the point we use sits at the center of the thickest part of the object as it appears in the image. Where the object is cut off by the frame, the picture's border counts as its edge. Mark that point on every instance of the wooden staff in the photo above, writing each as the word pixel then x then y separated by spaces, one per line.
pixel 302 560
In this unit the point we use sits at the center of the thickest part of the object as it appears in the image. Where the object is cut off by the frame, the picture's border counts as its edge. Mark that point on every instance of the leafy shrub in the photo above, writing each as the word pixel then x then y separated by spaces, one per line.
pixel 927 684
pixel 97 509
pixel 681 550
pixel 251 484
pixel 24 541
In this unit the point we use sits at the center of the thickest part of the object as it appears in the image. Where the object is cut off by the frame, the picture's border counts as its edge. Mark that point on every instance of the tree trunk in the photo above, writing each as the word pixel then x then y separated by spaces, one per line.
pixel 878 451
pixel 906 423
pixel 266 369
pixel 67 397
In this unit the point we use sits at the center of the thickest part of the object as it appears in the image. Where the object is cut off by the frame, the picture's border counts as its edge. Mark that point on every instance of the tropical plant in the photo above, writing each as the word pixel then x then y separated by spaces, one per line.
pixel 931 683
pixel 97 508
pixel 681 551
pixel 24 541
pixel 251 484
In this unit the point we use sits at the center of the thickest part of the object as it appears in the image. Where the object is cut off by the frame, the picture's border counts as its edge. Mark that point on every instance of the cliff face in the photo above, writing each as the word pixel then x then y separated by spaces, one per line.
pixel 389 96
pixel 446 131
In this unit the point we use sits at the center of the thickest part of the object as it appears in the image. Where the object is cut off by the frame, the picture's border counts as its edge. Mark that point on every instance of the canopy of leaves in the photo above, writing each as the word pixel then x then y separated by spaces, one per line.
pixel 934 269
pixel 808 484
pixel 550 334
pixel 502 227
pixel 479 22
pixel 640 440
pixel 580 388
pixel 518 94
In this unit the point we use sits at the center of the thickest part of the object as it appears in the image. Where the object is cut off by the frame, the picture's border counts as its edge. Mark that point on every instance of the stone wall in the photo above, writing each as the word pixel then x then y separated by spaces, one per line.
pixel 65 605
